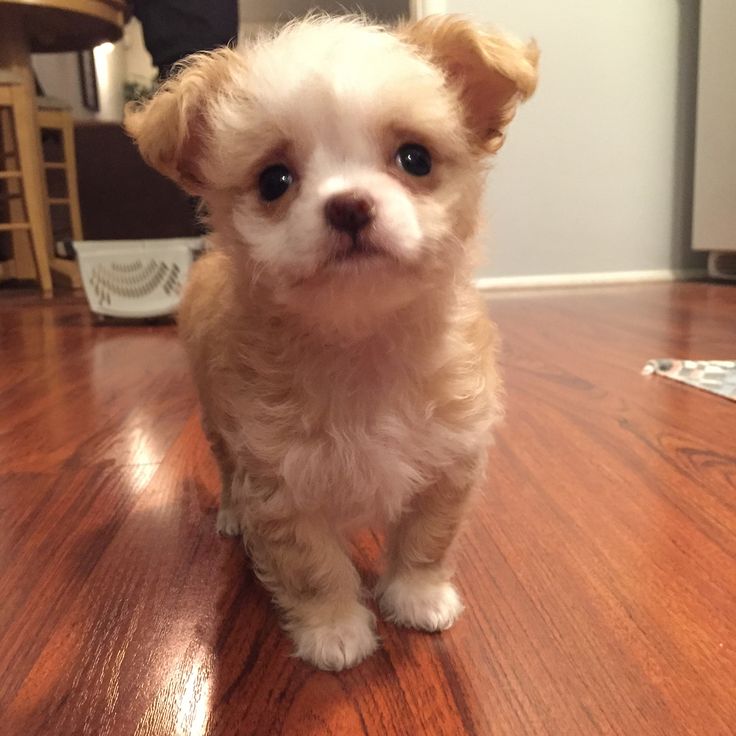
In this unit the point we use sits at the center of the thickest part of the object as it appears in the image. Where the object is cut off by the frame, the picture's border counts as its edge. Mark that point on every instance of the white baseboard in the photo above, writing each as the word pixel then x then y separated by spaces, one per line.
pixel 587 279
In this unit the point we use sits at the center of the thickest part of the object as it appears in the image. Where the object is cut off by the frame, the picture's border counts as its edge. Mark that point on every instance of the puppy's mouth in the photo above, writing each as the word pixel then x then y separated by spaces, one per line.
pixel 351 256
pixel 356 249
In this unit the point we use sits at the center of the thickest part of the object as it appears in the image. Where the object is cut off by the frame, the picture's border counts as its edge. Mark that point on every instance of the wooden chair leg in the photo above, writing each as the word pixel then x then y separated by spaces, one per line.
pixel 70 162
pixel 7 152
pixel 22 265
pixel 33 184
pixel 64 271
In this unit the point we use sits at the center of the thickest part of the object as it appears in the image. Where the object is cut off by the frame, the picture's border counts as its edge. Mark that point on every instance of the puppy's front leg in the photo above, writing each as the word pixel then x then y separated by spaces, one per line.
pixel 302 561
pixel 416 590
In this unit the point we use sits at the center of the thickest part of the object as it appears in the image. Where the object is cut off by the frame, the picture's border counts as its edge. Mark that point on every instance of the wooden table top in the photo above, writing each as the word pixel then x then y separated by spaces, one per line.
pixel 68 25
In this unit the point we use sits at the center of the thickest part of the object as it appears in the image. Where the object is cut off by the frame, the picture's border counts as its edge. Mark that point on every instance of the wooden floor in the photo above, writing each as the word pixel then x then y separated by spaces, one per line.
pixel 599 570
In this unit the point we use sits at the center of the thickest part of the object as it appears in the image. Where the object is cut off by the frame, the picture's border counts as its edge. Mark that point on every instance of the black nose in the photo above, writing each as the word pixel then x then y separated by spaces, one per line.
pixel 350 211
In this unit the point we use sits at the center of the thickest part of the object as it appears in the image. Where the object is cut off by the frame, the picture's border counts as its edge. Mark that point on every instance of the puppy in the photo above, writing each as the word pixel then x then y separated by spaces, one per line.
pixel 343 358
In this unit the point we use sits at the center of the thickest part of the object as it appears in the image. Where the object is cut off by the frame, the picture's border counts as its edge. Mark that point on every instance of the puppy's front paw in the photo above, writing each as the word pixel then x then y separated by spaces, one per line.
pixel 421 604
pixel 228 524
pixel 339 644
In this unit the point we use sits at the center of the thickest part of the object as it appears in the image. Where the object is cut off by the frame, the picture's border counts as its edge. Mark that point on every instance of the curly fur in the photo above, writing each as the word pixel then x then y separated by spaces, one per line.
pixel 341 394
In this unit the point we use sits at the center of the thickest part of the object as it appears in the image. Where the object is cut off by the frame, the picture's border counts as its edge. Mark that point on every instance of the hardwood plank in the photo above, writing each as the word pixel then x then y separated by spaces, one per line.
pixel 598 569
pixel 55 527
pixel 81 394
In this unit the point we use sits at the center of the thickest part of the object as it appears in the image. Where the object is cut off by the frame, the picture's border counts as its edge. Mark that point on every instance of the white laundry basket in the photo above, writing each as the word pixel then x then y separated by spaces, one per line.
pixel 135 278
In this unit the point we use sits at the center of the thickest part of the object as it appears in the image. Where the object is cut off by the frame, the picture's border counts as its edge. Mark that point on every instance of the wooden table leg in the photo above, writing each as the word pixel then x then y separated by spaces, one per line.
pixel 15 56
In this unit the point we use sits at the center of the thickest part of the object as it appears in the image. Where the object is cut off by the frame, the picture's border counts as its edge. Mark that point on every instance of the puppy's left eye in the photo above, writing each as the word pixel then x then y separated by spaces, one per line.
pixel 274 181
pixel 414 159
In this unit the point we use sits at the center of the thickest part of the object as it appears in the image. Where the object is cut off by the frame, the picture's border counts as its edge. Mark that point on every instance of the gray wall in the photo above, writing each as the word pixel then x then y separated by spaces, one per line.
pixel 597 172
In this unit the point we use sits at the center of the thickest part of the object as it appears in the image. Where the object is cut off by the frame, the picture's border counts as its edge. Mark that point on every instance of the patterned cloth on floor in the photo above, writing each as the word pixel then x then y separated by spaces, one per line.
pixel 716 376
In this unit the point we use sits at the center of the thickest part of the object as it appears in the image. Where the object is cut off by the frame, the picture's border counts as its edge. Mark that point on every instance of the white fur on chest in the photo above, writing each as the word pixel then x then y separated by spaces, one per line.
pixel 363 457
pixel 359 472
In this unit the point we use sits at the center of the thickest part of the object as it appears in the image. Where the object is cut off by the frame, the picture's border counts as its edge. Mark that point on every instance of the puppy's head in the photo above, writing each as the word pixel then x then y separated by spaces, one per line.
pixel 341 162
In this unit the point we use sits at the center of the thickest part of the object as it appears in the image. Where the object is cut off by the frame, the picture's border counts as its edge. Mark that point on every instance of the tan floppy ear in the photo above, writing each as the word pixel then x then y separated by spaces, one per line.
pixel 171 129
pixel 491 72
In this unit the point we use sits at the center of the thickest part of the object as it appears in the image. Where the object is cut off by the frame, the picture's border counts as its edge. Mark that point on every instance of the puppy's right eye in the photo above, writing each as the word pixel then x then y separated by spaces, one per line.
pixel 274 181
pixel 414 159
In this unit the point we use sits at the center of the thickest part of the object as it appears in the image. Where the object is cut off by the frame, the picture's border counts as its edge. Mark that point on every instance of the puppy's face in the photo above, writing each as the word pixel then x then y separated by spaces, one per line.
pixel 343 163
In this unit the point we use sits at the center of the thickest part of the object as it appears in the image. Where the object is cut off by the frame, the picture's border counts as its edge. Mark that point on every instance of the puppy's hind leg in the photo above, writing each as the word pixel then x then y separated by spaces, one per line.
pixel 228 523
